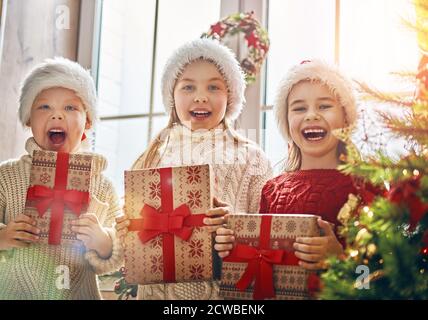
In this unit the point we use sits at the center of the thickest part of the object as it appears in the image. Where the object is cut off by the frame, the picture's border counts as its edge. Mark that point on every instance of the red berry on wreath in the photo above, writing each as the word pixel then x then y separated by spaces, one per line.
pixel 252 40
pixel 117 286
pixel 217 28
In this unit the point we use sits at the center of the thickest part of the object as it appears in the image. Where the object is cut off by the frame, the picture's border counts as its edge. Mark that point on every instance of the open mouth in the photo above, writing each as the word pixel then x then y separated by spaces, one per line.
pixel 57 136
pixel 314 134
pixel 200 114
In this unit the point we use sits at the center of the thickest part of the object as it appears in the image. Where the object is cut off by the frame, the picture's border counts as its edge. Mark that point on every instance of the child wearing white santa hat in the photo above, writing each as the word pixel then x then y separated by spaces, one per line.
pixel 58 103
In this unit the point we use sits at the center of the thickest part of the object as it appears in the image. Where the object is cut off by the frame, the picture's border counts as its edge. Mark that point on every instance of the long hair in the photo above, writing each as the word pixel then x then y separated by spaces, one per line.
pixel 151 157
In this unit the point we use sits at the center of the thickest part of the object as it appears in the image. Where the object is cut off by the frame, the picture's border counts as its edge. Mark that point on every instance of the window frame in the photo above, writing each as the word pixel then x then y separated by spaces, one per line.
pixel 254 115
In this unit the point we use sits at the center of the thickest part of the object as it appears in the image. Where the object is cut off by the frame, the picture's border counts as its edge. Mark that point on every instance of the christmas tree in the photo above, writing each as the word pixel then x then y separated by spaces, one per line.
pixel 385 225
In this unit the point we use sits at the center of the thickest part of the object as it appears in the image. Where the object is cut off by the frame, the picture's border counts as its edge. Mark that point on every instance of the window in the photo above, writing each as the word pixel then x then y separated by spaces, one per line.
pixel 136 39
pixel 367 38
pixel 373 42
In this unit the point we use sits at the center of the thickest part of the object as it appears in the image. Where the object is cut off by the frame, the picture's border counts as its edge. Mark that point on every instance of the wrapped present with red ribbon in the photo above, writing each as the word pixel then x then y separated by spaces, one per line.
pixel 58 193
pixel 262 264
pixel 167 241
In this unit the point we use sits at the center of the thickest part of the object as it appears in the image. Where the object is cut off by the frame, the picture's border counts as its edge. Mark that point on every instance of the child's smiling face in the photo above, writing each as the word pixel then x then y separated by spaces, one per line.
pixel 200 96
pixel 313 112
pixel 58 120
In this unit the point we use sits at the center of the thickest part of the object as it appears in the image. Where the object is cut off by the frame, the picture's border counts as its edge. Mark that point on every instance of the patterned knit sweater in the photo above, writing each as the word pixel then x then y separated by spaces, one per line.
pixel 319 191
pixel 240 173
pixel 42 271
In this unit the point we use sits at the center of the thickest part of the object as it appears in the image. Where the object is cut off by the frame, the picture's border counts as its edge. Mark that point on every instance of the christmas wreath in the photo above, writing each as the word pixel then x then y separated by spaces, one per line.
pixel 256 37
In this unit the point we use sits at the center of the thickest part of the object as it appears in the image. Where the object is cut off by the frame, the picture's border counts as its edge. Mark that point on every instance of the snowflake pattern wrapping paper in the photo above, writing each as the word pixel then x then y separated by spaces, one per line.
pixel 166 241
pixel 58 193
pixel 262 264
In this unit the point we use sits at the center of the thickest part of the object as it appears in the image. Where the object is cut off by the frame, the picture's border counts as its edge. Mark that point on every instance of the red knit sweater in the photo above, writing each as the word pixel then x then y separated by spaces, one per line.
pixel 321 192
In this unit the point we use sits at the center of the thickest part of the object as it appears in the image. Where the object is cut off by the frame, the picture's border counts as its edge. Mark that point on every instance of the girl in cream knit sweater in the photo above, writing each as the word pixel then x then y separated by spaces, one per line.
pixel 58 103
pixel 203 91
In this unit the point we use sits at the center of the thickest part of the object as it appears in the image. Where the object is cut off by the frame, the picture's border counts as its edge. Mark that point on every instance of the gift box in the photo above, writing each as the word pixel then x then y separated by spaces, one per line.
pixel 58 193
pixel 166 241
pixel 262 264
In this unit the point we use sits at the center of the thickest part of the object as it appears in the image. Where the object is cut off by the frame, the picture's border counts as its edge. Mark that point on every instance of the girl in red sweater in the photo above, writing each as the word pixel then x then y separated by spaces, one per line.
pixel 313 99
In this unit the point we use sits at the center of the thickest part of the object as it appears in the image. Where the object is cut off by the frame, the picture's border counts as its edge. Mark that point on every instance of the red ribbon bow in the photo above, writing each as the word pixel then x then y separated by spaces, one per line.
pixel 405 192
pixel 259 269
pixel 179 222
pixel 260 264
pixel 166 222
pixel 47 198
pixel 367 191
pixel 57 198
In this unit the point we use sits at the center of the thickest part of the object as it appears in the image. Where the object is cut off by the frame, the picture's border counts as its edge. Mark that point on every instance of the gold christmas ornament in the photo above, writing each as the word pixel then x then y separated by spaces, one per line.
pixel 353 200
pixel 376 275
pixel 353 253
pixel 361 235
pixel 344 214
pixel 371 250
pixel 346 211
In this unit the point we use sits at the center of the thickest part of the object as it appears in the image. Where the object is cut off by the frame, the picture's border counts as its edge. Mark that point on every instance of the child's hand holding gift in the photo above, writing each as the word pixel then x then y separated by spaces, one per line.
pixel 19 233
pixel 224 241
pixel 122 224
pixel 311 250
pixel 217 216
pixel 314 250
pixel 93 234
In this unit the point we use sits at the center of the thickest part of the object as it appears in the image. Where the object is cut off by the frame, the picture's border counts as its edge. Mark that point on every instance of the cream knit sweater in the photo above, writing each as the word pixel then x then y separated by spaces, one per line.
pixel 42 271
pixel 240 173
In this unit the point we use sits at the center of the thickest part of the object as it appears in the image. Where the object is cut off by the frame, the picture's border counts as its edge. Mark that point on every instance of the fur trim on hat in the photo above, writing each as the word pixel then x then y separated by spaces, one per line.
pixel 222 57
pixel 315 70
pixel 57 72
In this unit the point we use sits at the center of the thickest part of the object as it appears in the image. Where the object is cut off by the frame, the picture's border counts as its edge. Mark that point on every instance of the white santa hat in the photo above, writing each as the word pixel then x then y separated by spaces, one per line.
pixel 221 56
pixel 316 71
pixel 58 72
